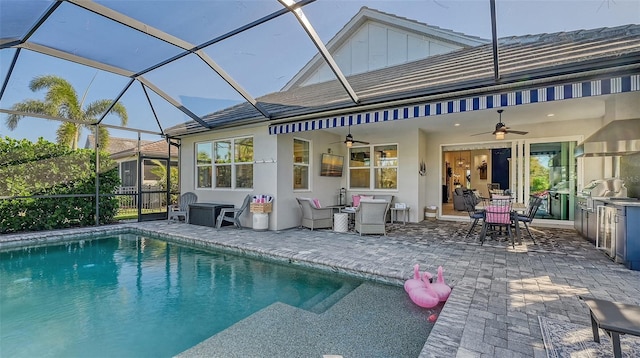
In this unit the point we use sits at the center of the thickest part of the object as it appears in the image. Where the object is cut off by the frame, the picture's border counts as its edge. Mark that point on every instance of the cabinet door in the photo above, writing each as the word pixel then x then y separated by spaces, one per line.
pixel 621 236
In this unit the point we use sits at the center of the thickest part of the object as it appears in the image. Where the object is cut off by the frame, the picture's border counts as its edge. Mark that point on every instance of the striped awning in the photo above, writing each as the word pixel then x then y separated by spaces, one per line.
pixel 622 84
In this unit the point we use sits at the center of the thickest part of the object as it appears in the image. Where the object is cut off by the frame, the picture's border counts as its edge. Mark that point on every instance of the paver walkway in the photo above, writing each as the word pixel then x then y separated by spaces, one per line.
pixel 499 292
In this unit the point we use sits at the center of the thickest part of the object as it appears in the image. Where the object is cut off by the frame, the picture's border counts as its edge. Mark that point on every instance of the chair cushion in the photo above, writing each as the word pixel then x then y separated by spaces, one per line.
pixel 495 214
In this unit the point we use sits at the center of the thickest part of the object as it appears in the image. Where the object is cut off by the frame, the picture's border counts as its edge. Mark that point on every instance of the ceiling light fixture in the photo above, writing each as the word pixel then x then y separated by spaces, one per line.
pixel 499 135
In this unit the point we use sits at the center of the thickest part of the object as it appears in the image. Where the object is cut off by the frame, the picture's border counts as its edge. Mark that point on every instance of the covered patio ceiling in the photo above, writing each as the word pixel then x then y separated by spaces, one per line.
pixel 169 62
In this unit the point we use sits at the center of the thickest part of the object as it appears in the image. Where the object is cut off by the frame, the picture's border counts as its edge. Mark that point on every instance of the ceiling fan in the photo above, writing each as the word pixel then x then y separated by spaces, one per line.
pixel 349 139
pixel 501 128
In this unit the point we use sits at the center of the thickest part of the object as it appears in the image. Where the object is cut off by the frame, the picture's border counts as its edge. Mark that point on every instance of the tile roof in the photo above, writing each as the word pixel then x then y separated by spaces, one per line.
pixel 154 149
pixel 125 147
pixel 116 144
pixel 543 57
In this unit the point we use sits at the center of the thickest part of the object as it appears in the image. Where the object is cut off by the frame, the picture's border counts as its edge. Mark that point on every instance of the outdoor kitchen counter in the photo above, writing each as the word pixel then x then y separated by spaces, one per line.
pixel 619 201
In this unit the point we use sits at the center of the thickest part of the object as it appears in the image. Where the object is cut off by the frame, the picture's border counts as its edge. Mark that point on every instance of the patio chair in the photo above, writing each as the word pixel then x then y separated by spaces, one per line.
pixel 313 217
pixel 370 217
pixel 497 215
pixel 527 218
pixel 475 215
pixel 237 212
pixel 182 210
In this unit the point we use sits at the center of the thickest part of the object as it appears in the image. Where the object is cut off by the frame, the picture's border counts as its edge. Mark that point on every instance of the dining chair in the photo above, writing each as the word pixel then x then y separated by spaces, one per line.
pixel 527 218
pixel 497 215
pixel 470 207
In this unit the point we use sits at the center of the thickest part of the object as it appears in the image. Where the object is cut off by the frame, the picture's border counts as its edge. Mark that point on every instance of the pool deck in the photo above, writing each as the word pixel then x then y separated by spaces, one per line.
pixel 498 294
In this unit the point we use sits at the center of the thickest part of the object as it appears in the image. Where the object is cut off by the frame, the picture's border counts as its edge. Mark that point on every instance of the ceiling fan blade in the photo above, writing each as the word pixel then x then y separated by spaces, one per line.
pixel 359 141
pixel 517 132
pixel 482 133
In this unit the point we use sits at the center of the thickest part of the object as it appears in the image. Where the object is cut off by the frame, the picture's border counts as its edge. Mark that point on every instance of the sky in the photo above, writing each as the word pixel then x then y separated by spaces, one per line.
pixel 261 59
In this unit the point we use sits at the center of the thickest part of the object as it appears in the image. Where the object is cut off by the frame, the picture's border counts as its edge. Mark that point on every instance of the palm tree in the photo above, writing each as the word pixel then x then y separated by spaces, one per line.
pixel 62 101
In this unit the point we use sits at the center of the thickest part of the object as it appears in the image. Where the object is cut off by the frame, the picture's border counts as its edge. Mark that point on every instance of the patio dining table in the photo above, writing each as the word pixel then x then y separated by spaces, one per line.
pixel 515 209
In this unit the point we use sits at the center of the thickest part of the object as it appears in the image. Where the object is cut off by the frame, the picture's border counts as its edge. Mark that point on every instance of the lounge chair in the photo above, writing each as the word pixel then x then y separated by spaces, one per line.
pixel 370 217
pixel 313 217
pixel 236 213
pixel 182 210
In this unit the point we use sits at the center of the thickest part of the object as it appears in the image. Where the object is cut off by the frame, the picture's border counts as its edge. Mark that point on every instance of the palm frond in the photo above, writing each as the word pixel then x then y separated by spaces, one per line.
pixel 97 108
pixel 28 106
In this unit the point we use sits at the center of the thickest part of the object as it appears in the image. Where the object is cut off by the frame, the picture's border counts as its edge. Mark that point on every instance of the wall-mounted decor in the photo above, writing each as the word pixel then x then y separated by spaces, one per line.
pixel 483 170
pixel 423 168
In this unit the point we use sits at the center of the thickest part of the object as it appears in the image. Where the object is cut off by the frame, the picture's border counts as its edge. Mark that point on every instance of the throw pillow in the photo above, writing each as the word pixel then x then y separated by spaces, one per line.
pixel 316 203
pixel 356 200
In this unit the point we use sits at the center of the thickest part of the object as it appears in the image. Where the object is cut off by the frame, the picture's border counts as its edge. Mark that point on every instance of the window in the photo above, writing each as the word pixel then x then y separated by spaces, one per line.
pixel 129 173
pixel 229 161
pixel 300 164
pixel 203 165
pixel 381 173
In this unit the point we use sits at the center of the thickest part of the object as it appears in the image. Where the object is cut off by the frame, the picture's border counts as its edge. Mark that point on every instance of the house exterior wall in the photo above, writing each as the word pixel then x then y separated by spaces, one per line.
pixel 264 169
pixel 273 170
pixel 375 46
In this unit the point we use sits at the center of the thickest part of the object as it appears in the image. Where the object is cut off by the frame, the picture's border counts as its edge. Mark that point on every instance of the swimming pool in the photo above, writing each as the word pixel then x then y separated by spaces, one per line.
pixel 128 295
pixel 152 297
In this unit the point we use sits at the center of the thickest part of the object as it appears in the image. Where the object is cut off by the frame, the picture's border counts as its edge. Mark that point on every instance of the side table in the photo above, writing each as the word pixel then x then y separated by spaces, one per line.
pixel 405 214
pixel 341 222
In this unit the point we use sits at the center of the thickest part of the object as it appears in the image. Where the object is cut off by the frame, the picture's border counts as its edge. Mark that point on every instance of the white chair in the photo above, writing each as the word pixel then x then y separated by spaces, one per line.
pixel 182 210
pixel 370 217
pixel 237 212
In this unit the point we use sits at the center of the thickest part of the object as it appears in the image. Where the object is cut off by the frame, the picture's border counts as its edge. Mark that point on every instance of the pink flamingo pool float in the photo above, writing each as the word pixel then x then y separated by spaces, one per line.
pixel 424 293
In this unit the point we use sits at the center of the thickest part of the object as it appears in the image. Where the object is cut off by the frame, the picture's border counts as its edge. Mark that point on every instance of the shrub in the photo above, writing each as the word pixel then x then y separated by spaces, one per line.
pixel 45 168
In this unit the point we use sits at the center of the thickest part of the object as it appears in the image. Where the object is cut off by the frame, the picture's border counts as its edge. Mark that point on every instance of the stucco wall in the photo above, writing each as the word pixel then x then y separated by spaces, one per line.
pixel 264 174
pixel 274 163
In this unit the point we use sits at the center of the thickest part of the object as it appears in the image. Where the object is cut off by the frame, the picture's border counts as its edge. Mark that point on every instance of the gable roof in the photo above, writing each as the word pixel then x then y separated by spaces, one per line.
pixel 524 61
pixel 115 144
pixel 126 147
pixel 393 21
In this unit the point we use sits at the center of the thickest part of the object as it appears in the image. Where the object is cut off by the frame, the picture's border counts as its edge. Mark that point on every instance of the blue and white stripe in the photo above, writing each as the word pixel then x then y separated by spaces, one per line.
pixel 515 98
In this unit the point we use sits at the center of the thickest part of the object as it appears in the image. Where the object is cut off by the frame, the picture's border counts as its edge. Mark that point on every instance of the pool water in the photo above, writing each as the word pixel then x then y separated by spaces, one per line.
pixel 133 296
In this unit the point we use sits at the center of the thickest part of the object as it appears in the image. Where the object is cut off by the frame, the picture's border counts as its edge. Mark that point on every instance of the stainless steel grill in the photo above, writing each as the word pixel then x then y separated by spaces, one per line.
pixel 587 200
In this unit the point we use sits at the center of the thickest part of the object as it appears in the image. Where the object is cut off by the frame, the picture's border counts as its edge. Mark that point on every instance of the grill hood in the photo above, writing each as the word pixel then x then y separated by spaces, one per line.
pixel 620 137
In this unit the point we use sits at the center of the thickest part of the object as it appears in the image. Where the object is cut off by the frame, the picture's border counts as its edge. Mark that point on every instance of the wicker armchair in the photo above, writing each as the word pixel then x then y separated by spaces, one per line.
pixel 370 217
pixel 314 218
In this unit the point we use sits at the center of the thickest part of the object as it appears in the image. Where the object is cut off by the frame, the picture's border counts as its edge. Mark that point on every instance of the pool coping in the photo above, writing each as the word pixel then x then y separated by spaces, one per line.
pixel 443 340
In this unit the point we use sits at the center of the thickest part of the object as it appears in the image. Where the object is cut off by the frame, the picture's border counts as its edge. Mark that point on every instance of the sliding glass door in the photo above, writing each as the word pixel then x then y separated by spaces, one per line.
pixel 544 167
pixel 547 169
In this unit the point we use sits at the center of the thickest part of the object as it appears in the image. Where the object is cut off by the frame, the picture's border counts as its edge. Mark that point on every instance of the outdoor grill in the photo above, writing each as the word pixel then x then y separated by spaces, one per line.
pixel 587 200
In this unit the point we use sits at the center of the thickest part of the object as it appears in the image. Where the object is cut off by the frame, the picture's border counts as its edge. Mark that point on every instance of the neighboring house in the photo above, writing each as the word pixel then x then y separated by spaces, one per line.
pixel 125 152
pixel 418 108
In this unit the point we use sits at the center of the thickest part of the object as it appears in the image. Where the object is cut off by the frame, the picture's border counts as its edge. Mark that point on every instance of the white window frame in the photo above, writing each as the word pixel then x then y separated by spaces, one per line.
pixel 308 165
pixel 372 167
pixel 233 164
pixel 198 166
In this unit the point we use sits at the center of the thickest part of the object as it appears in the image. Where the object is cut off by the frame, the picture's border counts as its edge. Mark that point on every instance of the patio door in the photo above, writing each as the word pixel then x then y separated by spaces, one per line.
pixel 154 184
pixel 547 168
